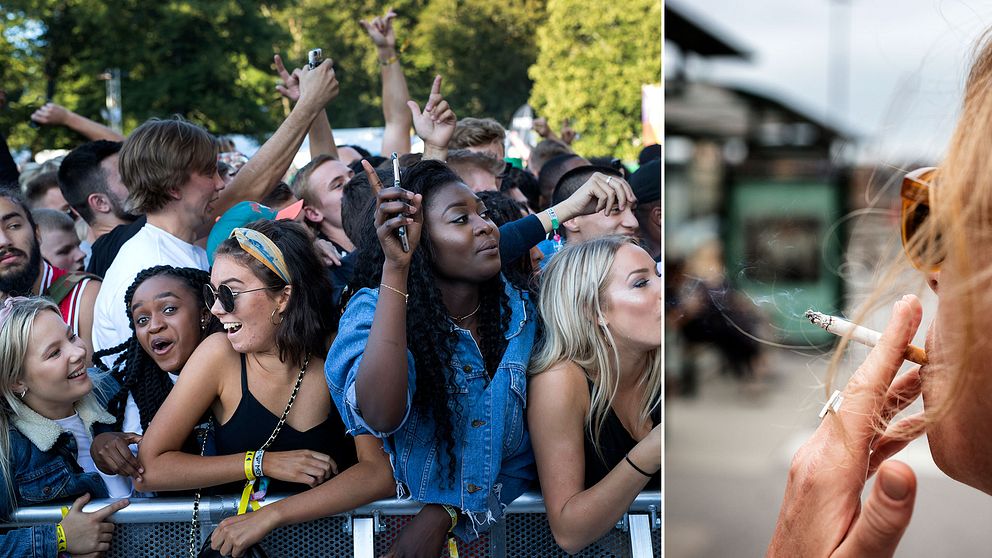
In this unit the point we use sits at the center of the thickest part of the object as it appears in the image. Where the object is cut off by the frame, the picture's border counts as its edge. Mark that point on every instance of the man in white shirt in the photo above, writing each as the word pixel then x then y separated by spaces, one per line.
pixel 170 169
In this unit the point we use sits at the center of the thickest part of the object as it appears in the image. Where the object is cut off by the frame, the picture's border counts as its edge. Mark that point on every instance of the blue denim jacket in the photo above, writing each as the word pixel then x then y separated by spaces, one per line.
pixel 44 468
pixel 494 462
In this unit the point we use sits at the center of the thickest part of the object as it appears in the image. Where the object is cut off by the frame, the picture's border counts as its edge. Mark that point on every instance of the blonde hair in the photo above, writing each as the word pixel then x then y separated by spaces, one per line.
pixel 15 337
pixel 956 231
pixel 571 306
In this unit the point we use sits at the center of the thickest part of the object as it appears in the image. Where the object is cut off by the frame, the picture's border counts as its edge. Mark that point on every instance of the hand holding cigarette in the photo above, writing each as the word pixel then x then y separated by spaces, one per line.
pixel 841 327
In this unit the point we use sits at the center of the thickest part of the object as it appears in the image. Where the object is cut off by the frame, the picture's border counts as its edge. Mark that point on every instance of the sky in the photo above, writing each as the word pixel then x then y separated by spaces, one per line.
pixel 907 63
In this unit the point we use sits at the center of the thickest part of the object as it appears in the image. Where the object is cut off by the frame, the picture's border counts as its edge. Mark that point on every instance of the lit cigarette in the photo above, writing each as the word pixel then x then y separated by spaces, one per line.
pixel 841 327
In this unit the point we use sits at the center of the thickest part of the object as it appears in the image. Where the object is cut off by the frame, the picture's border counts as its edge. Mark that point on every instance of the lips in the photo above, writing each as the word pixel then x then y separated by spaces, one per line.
pixel 161 345
pixel 9 255
pixel 488 246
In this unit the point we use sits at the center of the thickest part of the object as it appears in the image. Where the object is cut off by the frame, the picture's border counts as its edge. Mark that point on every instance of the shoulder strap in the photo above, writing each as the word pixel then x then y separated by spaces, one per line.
pixel 61 287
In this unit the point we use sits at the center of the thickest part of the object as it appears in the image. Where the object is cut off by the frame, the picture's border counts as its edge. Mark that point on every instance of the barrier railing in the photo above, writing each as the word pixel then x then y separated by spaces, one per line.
pixel 156 527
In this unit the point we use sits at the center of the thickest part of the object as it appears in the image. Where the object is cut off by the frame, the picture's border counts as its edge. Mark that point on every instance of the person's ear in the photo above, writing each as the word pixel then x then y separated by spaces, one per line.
pixel 99 203
pixel 656 215
pixel 571 226
pixel 283 298
pixel 312 214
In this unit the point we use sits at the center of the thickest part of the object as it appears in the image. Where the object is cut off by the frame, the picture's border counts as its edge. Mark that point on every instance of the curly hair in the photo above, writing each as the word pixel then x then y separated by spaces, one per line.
pixel 137 373
pixel 429 332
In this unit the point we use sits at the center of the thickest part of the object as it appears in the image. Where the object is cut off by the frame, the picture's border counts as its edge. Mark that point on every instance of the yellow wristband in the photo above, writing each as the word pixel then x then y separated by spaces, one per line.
pixel 391 60
pixel 65 511
pixel 249 459
pixel 60 532
pixel 454 516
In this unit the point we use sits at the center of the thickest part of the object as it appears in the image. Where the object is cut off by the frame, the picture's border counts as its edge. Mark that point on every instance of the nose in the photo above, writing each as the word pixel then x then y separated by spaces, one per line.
pixel 484 226
pixel 78 350
pixel 217 309
pixel 629 221
pixel 155 323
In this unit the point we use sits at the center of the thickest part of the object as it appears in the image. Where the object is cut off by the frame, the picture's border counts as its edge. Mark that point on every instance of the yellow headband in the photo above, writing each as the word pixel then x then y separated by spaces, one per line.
pixel 263 250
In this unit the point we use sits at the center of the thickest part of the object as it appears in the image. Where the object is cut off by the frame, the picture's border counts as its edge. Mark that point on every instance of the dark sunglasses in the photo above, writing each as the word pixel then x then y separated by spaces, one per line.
pixel 226 296
pixel 924 253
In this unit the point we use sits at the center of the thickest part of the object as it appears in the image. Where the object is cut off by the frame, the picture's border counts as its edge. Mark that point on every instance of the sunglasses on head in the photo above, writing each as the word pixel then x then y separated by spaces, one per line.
pixel 924 253
pixel 226 296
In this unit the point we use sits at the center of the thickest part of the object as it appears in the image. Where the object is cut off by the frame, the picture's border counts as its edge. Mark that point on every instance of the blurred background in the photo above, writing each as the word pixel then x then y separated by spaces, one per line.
pixel 788 128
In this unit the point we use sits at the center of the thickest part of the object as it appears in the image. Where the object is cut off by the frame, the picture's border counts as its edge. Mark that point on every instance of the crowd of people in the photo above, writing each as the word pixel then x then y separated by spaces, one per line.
pixel 176 317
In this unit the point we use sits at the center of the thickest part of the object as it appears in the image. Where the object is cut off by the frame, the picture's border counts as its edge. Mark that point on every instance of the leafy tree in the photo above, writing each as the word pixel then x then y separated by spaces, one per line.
pixel 482 49
pixel 593 58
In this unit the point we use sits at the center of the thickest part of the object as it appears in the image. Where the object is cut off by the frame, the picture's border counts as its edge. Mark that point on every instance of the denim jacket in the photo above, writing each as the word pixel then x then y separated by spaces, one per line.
pixel 44 469
pixel 493 459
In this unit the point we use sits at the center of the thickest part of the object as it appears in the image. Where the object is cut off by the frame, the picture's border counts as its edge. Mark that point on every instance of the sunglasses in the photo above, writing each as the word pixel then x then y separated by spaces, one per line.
pixel 226 296
pixel 924 252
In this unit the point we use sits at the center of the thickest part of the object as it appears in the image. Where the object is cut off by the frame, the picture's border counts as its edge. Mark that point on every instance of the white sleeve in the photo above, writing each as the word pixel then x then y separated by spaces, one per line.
pixel 132 420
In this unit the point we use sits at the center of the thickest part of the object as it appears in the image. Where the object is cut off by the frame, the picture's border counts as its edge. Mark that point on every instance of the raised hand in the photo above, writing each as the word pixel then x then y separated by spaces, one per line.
pixel 541 127
pixel 394 208
pixel 300 466
pixel 436 123
pixel 380 30
pixel 600 193
pixel 318 85
pixel 111 454
pixel 290 86
pixel 51 115
pixel 567 133
pixel 87 533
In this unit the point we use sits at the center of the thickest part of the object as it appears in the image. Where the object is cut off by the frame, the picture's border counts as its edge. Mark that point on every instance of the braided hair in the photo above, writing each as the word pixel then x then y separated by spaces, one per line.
pixel 430 335
pixel 133 368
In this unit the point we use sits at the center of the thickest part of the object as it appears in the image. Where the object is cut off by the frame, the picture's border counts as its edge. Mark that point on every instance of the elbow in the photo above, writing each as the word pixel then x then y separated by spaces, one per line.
pixel 386 422
pixel 570 543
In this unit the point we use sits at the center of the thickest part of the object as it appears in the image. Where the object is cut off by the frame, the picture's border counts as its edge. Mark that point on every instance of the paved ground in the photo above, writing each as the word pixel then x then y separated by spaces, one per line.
pixel 727 455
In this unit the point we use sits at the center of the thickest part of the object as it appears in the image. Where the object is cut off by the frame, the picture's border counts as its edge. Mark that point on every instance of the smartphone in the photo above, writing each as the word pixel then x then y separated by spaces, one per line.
pixel 315 57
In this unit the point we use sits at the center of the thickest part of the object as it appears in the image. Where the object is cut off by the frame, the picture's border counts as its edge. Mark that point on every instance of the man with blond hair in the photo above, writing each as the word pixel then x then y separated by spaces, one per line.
pixel 479 170
pixel 170 169
pixel 320 184
pixel 484 135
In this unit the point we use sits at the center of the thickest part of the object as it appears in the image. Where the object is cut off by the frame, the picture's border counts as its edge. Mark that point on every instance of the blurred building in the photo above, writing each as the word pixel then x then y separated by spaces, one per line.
pixel 760 175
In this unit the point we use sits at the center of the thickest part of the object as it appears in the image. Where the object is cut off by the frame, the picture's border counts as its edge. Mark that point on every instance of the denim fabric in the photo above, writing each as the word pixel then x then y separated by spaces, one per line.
pixel 549 248
pixel 50 475
pixel 494 462
pixel 30 542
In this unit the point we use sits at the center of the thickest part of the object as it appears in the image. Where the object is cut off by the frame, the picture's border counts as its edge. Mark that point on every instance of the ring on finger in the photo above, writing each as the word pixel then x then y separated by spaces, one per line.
pixel 609 180
pixel 832 404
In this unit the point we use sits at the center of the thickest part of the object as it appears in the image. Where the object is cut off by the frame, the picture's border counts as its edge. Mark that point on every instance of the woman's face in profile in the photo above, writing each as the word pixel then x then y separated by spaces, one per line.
pixel 632 299
pixel 464 238
pixel 250 325
pixel 961 438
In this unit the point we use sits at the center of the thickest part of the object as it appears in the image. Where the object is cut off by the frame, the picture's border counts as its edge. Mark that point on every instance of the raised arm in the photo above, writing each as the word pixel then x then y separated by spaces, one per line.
pixel 579 514
pixel 396 136
pixel 57 115
pixel 436 124
pixel 381 386
pixel 321 135
pixel 270 163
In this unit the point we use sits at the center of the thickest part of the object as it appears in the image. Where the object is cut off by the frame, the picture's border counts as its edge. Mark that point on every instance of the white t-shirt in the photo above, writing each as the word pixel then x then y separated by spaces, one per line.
pixel 117 485
pixel 150 247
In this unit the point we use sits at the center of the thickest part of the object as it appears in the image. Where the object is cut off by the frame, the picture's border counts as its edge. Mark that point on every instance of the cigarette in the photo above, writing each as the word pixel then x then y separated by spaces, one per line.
pixel 841 327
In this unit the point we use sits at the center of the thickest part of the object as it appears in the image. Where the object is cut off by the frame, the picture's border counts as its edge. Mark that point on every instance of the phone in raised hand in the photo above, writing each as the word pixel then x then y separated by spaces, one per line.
pixel 315 57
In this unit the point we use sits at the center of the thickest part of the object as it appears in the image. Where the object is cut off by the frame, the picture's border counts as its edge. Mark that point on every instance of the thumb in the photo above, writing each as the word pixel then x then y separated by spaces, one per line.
pixel 77 506
pixel 132 438
pixel 885 515
pixel 414 108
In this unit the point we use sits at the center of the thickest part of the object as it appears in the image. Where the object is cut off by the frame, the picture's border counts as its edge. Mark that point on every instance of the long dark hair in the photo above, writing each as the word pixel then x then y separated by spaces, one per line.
pixel 310 317
pixel 430 336
pixel 139 376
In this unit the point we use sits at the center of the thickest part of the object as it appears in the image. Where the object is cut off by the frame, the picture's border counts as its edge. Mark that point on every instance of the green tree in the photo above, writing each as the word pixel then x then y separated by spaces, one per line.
pixel 593 58
pixel 482 48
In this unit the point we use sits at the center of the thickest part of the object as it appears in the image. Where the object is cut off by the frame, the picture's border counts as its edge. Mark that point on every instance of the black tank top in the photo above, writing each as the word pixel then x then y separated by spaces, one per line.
pixel 251 424
pixel 614 443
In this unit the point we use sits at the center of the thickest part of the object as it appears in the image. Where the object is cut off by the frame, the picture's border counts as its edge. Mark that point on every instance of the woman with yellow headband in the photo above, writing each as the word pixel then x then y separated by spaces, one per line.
pixel 261 378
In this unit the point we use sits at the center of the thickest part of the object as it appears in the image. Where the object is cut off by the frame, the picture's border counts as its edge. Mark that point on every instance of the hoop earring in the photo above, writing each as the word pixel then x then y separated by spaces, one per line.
pixel 22 393
pixel 272 318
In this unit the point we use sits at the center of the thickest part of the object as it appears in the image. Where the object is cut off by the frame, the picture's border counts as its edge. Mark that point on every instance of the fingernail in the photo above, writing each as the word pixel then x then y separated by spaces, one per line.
pixel 142 471
pixel 893 485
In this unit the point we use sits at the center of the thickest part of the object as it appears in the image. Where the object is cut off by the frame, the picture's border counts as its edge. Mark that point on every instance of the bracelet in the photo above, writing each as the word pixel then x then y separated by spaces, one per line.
pixel 256 464
pixel 555 223
pixel 249 458
pixel 391 60
pixel 60 533
pixel 454 516
pixel 406 297
pixel 636 468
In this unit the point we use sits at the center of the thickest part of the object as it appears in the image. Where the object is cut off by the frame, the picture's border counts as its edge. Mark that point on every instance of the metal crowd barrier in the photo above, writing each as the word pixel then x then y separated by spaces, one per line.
pixel 157 527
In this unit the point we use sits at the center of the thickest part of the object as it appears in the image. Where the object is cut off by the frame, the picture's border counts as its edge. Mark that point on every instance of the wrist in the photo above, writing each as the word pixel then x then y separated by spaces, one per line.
pixel 642 458
pixel 385 51
pixel 563 211
pixel 395 273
